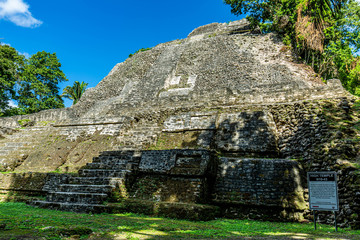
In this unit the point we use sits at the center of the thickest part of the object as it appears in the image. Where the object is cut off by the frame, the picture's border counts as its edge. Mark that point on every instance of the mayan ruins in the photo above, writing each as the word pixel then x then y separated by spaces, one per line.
pixel 223 123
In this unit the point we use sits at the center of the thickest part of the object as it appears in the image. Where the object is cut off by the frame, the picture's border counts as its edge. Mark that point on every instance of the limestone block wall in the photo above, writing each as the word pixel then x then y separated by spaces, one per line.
pixel 27 183
pixel 247 132
pixel 271 187
pixel 261 182
pixel 170 189
pixel 189 162
pixel 52 116
pixel 321 135
pixel 200 176
pixel 74 129
pixel 300 127
pixel 175 176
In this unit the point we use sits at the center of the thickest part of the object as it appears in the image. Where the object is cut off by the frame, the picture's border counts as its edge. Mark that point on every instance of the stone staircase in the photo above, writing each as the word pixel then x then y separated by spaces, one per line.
pixel 94 185
pixel 15 147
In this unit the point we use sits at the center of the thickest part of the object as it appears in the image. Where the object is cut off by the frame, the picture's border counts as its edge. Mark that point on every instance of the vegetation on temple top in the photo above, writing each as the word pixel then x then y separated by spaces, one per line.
pixel 322 33
pixel 140 50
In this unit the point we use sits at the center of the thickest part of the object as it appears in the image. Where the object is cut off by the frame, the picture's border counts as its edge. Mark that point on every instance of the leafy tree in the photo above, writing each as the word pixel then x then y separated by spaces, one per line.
pixel 11 63
pixel 38 88
pixel 75 92
pixel 323 33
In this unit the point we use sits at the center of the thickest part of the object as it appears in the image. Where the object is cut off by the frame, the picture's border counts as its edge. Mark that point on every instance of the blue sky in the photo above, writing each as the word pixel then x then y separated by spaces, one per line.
pixel 90 37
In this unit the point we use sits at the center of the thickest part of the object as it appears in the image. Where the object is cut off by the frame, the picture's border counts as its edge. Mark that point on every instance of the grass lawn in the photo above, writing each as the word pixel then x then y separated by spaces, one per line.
pixel 19 221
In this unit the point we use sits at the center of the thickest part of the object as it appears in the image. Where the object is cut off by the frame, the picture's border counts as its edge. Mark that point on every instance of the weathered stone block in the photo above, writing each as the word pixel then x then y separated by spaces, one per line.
pixel 266 182
pixel 27 182
pixel 190 121
pixel 170 189
pixel 250 132
pixel 176 162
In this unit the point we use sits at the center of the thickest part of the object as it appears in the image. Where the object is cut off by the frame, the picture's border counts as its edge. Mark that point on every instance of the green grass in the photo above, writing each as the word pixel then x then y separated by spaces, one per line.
pixel 19 221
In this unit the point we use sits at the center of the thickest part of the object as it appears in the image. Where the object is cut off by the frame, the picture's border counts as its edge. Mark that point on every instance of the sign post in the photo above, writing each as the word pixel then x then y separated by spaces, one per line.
pixel 323 194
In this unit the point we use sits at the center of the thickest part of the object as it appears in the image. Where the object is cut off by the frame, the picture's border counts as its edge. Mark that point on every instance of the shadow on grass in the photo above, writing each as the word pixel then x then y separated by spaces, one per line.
pixel 24 222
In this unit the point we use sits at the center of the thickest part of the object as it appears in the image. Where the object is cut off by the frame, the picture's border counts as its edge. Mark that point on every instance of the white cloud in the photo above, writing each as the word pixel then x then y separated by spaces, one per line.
pixel 26 55
pixel 12 104
pixel 18 12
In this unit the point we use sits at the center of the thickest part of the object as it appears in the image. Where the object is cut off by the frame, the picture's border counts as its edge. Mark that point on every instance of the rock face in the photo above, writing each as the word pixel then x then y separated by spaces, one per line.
pixel 224 117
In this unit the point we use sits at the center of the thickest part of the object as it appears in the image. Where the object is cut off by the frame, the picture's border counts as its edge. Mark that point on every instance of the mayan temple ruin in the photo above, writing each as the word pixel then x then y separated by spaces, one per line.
pixel 224 123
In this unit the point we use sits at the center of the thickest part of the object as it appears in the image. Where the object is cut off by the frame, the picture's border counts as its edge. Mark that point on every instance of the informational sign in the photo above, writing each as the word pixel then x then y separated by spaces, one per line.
pixel 323 195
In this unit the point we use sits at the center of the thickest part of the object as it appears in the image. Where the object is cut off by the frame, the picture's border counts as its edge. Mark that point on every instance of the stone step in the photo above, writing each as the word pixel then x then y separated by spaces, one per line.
pixel 108 165
pixel 149 127
pixel 146 125
pixel 132 135
pixel 127 143
pixel 76 197
pixel 73 207
pixel 85 188
pixel 4 152
pixel 109 159
pixel 129 148
pixel 19 135
pixel 95 180
pixel 23 148
pixel 112 162
pixel 144 132
pixel 122 153
pixel 15 144
pixel 103 173
pixel 138 135
pixel 9 148
pixel 32 139
pixel 35 128
pixel 16 153
pixel 136 141
pixel 114 159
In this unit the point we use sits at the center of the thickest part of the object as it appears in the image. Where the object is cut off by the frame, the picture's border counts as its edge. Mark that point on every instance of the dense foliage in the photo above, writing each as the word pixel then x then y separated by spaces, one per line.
pixel 32 83
pixel 323 33
pixel 11 63
pixel 75 92
pixel 38 88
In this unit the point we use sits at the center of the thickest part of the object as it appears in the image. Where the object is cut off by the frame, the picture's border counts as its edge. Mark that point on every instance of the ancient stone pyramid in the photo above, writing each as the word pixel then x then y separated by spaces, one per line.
pixel 217 65
pixel 225 117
